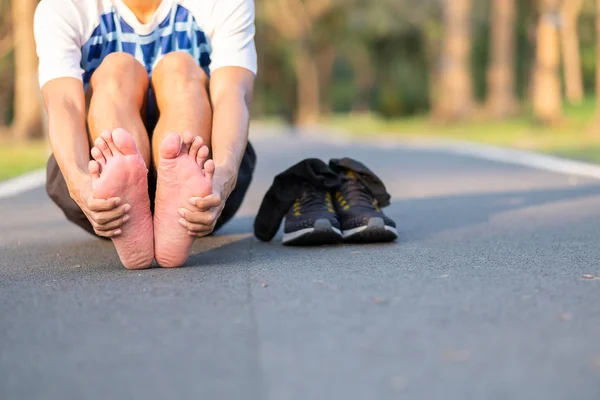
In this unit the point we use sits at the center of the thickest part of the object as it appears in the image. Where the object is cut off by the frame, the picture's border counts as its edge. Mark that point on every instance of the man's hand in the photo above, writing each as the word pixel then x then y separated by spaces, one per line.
pixel 200 219
pixel 65 102
pixel 106 216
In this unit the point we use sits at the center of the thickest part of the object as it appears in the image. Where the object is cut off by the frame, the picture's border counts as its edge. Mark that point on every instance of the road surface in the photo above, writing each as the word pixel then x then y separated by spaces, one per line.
pixel 491 292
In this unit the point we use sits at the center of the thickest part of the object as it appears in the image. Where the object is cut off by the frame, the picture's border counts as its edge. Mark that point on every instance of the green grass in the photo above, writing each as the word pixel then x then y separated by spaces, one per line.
pixel 18 158
pixel 573 137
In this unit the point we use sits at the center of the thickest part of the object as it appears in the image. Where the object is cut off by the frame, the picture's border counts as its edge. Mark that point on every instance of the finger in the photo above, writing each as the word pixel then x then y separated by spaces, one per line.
pixel 191 227
pixel 98 156
pixel 202 217
pixel 206 203
pixel 103 146
pixel 112 225
pixel 197 222
pixel 104 217
pixel 98 205
pixel 200 234
pixel 110 234
pixel 209 169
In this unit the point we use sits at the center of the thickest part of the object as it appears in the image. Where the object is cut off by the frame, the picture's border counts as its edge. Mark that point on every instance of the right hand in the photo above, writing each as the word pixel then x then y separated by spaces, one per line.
pixel 106 216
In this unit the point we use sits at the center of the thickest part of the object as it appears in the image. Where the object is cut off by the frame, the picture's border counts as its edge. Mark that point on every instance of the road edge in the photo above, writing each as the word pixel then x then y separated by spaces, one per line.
pixel 506 155
pixel 22 183
pixel 544 162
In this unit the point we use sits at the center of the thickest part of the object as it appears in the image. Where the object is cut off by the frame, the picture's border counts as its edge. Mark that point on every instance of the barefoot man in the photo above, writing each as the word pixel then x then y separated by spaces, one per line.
pixel 157 93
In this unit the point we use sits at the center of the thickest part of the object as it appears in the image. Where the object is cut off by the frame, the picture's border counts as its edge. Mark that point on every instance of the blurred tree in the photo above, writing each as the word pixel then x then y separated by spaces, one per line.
pixel 569 13
pixel 456 98
pixel 6 39
pixel 28 121
pixel 587 38
pixel 364 76
pixel 275 93
pixel 407 38
pixel 325 62
pixel 547 91
pixel 596 127
pixel 501 100
pixel 294 20
pixel 329 37
pixel 6 48
pixel 405 57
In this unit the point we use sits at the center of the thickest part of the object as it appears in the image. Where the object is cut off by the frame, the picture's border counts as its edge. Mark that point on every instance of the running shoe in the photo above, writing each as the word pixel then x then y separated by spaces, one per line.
pixel 312 219
pixel 360 217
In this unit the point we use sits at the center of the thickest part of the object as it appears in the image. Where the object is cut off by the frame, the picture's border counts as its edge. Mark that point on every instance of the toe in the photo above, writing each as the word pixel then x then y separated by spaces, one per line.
pixel 103 146
pixel 170 146
pixel 107 136
pixel 187 140
pixel 202 156
pixel 195 146
pixel 124 142
pixel 98 156
pixel 94 169
pixel 209 169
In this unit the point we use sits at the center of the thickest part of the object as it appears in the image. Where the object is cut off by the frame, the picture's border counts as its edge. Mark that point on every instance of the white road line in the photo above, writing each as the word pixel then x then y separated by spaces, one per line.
pixel 538 161
pixel 23 183
pixel 523 158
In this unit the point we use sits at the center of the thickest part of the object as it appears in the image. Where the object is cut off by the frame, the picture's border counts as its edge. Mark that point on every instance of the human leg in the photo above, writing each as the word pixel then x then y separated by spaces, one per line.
pixel 180 152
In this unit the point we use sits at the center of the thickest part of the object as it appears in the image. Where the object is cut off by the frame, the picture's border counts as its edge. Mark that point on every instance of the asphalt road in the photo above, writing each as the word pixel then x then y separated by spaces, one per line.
pixel 483 297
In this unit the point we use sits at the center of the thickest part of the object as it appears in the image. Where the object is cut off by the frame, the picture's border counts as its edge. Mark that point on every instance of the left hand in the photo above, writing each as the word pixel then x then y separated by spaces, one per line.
pixel 202 215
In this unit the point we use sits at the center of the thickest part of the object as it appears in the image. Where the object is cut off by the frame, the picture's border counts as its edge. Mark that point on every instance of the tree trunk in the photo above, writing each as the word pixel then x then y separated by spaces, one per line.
pixel 456 98
pixel 432 41
pixel 570 50
pixel 596 127
pixel 502 101
pixel 6 95
pixel 325 62
pixel 307 83
pixel 547 91
pixel 28 120
pixel 364 77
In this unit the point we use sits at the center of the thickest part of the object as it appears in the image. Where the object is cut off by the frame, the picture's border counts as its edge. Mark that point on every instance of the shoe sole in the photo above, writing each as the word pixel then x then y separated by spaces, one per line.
pixel 321 233
pixel 374 232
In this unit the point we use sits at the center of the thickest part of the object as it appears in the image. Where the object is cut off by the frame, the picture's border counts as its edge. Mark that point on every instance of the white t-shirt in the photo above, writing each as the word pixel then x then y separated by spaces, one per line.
pixel 74 36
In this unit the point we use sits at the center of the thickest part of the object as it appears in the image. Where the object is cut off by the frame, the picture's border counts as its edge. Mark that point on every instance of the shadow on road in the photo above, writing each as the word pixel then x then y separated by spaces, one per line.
pixel 56 245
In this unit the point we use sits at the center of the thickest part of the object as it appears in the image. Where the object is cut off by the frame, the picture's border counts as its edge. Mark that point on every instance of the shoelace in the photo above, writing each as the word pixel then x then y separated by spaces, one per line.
pixel 312 199
pixel 356 194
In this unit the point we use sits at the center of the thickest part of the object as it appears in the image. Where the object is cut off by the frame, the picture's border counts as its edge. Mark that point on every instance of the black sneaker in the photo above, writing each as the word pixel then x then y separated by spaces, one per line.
pixel 312 220
pixel 360 217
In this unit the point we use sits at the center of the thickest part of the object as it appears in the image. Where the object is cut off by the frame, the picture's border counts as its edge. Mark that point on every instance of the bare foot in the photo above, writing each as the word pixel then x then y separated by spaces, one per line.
pixel 180 176
pixel 118 170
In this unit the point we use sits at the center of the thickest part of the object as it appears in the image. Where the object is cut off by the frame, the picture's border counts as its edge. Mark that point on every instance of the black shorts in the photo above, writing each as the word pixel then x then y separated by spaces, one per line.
pixel 56 186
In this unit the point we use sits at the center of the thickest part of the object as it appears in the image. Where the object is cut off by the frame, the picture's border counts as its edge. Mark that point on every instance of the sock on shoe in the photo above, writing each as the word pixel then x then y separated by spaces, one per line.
pixel 285 188
pixel 367 177
pixel 288 184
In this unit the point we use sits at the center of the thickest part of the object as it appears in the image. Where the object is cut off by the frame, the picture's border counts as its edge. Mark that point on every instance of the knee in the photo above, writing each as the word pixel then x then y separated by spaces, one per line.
pixel 118 72
pixel 179 72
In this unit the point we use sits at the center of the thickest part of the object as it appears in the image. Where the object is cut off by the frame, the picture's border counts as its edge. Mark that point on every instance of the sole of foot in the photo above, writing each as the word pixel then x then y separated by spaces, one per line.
pixel 183 172
pixel 118 170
